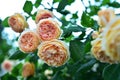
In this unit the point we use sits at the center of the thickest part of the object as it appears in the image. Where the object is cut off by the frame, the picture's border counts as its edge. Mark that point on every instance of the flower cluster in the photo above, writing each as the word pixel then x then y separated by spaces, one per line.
pixel 44 38
pixel 106 47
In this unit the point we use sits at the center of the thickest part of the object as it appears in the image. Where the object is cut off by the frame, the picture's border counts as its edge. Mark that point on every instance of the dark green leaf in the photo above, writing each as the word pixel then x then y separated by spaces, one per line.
pixel 84 68
pixel 87 47
pixel 112 72
pixel 63 4
pixel 114 4
pixel 18 55
pixel 28 6
pixel 86 20
pixel 17 70
pixel 8 76
pixel 72 28
pixel 5 22
pixel 77 50
pixel 54 1
pixel 37 3
pixel 75 16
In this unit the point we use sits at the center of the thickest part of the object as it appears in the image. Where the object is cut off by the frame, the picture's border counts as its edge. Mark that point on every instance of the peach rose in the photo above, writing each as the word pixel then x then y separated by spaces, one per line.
pixel 28 41
pixel 54 52
pixel 28 69
pixel 7 65
pixel 17 22
pixel 48 29
pixel 43 14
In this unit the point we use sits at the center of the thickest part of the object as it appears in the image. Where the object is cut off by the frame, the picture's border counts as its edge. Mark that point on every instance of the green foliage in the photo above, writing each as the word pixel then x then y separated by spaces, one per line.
pixel 37 3
pixel 86 20
pixel 5 22
pixel 28 6
pixel 112 72
pixel 18 55
pixel 77 50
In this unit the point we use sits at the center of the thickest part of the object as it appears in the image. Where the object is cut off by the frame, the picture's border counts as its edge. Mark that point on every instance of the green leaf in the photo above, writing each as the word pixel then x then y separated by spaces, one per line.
pixel 72 28
pixel 54 1
pixel 94 10
pixel 18 55
pixel 5 22
pixel 37 3
pixel 114 4
pixel 112 72
pixel 84 68
pixel 17 70
pixel 8 76
pixel 86 20
pixel 28 6
pixel 104 2
pixel 63 4
pixel 77 50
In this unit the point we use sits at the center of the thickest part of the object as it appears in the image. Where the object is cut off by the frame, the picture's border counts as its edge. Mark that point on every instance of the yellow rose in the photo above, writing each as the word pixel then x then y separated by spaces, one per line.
pixel 17 22
pixel 111 39
pixel 54 52
pixel 98 52
pixel 105 16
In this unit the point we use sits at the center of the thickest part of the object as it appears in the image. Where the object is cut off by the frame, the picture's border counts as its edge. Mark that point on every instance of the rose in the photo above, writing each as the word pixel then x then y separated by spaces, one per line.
pixel 43 14
pixel 105 16
pixel 7 65
pixel 17 22
pixel 28 69
pixel 48 29
pixel 28 41
pixel 99 53
pixel 111 39
pixel 54 52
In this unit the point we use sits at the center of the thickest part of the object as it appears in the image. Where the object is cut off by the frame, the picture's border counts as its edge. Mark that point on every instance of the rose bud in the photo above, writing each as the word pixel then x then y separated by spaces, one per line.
pixel 111 39
pixel 43 14
pixel 28 69
pixel 7 65
pixel 105 16
pixel 17 22
pixel 48 29
pixel 28 41
pixel 99 53
pixel 54 53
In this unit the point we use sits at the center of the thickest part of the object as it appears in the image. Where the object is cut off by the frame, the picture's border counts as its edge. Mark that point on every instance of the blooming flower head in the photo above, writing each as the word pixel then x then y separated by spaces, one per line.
pixel 7 65
pixel 99 53
pixel 54 52
pixel 105 16
pixel 28 41
pixel 28 69
pixel 17 22
pixel 43 14
pixel 111 39
pixel 48 29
